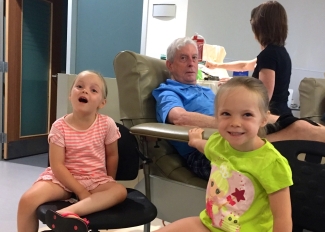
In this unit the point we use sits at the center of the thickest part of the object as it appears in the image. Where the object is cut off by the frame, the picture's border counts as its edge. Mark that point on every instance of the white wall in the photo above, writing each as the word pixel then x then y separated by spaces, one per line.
pixel 226 23
pixel 71 36
pixel 161 31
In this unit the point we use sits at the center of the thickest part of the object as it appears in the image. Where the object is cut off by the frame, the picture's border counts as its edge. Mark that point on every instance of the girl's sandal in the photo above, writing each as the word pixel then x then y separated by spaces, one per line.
pixel 61 222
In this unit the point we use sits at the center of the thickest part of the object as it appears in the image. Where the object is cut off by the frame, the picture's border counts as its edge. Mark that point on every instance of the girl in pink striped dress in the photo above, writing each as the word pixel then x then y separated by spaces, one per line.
pixel 83 156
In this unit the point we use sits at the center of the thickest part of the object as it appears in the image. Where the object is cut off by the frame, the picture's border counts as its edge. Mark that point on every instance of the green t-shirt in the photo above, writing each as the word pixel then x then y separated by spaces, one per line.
pixel 239 184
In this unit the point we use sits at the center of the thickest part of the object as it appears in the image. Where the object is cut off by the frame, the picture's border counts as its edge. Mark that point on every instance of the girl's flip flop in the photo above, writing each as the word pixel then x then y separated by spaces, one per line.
pixel 61 223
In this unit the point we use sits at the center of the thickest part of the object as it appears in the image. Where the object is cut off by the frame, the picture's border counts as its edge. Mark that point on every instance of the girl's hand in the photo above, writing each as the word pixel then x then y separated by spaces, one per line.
pixel 194 135
pixel 211 64
pixel 84 194
pixel 223 81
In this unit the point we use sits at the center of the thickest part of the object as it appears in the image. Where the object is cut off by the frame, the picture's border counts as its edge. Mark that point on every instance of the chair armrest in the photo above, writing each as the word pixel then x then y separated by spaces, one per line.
pixel 167 131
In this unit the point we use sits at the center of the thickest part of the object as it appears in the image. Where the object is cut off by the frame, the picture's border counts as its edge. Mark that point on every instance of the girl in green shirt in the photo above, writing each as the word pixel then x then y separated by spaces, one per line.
pixel 248 188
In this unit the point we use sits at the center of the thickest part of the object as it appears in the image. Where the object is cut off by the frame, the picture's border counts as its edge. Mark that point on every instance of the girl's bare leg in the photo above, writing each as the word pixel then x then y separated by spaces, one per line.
pixel 272 118
pixel 103 197
pixel 299 130
pixel 190 224
pixel 39 193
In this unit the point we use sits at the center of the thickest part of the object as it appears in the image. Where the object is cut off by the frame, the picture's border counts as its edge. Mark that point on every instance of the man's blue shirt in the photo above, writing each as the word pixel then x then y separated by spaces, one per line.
pixel 192 98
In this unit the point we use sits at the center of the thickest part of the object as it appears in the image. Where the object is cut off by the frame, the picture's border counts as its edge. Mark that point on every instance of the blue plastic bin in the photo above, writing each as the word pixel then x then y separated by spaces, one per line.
pixel 240 74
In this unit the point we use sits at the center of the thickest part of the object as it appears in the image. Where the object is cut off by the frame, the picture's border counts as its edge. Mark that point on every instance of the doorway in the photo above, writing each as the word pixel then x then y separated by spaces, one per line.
pixel 35 40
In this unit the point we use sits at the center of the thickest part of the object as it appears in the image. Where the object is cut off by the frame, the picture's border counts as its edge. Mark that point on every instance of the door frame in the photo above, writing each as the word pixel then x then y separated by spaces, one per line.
pixel 35 144
pixel 2 39
pixel 12 77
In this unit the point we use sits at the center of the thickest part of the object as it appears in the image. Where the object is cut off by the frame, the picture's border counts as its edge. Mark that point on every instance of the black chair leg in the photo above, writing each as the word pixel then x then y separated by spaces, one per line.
pixel 147 227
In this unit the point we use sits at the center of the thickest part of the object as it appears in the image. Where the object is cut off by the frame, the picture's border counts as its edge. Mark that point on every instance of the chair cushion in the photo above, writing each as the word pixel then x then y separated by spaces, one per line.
pixel 174 167
pixel 134 211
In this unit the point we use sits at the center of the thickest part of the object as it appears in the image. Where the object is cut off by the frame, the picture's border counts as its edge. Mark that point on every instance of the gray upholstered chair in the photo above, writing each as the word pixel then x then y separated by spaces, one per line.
pixel 137 75
pixel 312 98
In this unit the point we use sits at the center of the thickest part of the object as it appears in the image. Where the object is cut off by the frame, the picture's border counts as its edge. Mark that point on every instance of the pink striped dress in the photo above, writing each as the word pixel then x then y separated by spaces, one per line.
pixel 84 150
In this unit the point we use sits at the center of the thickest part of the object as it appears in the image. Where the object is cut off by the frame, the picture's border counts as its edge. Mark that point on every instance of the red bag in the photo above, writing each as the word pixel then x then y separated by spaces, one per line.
pixel 199 39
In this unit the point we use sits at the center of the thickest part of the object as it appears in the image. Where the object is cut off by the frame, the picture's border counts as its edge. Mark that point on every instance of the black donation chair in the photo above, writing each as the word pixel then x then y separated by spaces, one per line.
pixel 308 190
pixel 135 210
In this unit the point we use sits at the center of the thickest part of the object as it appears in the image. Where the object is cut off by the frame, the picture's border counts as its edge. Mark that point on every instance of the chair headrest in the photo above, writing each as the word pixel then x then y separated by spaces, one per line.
pixel 137 76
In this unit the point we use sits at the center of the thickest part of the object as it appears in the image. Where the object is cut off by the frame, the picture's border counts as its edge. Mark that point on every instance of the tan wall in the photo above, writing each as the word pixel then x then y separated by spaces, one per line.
pixel 64 107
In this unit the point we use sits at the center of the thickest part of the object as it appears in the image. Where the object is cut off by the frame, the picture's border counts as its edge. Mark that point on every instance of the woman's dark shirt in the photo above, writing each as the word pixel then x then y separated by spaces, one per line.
pixel 276 58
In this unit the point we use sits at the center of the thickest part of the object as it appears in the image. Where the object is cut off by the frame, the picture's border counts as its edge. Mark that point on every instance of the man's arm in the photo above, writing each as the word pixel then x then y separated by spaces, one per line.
pixel 179 116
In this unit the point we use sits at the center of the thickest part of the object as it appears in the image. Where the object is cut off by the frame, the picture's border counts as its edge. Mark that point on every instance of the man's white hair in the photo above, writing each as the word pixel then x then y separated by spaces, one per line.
pixel 176 45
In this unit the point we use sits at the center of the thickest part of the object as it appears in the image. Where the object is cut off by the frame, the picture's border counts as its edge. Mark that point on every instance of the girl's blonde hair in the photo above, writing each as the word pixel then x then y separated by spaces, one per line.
pixel 104 87
pixel 253 85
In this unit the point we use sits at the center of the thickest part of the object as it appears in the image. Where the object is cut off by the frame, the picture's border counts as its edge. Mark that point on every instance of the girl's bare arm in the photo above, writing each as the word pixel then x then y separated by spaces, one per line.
pixel 195 139
pixel 57 157
pixel 280 204
pixel 243 65
pixel 111 159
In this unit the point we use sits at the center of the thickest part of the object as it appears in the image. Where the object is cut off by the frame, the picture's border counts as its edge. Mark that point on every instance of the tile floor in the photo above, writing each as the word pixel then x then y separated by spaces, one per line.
pixel 16 176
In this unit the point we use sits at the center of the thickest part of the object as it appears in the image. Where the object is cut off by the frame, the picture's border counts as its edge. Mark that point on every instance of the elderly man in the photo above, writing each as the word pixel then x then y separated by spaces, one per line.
pixel 181 101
